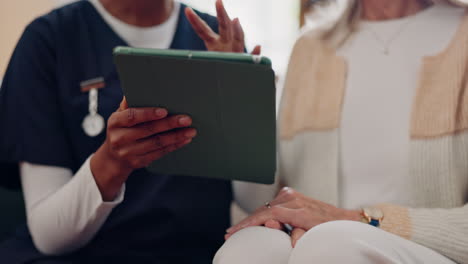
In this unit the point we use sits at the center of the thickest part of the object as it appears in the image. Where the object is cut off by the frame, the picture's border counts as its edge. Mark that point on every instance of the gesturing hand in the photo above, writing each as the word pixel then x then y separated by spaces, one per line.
pixel 299 211
pixel 135 138
pixel 231 34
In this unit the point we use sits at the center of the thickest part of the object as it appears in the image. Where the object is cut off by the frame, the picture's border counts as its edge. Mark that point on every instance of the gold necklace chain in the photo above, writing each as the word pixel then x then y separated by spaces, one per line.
pixel 386 44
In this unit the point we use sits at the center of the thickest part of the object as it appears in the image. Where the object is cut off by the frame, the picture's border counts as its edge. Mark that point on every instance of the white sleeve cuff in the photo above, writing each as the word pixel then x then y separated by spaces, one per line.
pixel 86 173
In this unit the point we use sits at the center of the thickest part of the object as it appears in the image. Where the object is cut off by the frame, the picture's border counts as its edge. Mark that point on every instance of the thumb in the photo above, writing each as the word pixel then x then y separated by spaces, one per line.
pixel 296 234
pixel 123 105
pixel 257 50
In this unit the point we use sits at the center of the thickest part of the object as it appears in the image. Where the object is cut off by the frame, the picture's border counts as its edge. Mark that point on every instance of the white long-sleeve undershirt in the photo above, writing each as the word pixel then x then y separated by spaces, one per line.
pixel 64 211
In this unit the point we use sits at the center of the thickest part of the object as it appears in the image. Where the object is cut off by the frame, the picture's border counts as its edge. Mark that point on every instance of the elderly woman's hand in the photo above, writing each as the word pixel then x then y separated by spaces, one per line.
pixel 297 210
pixel 231 34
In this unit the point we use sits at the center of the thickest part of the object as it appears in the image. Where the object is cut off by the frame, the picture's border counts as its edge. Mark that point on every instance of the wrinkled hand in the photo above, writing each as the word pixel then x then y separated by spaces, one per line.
pixel 297 210
pixel 135 138
pixel 231 34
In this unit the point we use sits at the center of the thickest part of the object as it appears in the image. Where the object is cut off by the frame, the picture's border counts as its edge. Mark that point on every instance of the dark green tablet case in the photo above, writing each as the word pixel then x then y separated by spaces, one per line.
pixel 231 98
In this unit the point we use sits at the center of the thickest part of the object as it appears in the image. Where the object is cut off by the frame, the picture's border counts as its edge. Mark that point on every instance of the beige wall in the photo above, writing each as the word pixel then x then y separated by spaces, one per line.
pixel 14 16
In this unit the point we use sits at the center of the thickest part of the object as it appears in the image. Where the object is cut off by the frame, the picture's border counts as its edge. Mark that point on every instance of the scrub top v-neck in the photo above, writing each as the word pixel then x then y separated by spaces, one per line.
pixel 165 218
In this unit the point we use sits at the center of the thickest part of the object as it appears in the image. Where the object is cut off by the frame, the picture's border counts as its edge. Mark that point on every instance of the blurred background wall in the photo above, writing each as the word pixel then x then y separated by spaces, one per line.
pixel 14 16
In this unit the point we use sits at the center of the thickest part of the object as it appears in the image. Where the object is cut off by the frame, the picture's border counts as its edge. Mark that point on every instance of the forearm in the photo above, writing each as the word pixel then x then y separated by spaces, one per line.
pixel 109 174
pixel 443 230
pixel 65 220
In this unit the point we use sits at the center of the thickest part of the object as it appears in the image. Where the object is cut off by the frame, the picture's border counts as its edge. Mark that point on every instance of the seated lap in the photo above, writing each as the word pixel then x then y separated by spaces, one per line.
pixel 332 242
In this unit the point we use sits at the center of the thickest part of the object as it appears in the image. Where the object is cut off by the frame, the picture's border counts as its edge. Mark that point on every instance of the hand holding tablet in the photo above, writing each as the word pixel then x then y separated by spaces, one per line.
pixel 135 138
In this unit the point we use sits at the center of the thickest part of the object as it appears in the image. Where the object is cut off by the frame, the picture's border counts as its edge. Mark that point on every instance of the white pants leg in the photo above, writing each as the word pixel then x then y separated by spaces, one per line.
pixel 354 242
pixel 255 245
pixel 330 243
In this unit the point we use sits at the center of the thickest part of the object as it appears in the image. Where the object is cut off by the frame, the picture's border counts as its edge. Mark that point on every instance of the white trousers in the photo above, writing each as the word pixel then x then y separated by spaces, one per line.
pixel 330 243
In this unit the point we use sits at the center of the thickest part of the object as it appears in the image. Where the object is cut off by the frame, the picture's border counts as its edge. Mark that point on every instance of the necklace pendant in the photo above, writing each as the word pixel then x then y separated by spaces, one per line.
pixel 386 51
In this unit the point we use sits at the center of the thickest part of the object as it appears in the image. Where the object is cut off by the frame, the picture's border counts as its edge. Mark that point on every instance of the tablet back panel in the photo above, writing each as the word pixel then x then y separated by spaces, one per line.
pixel 232 105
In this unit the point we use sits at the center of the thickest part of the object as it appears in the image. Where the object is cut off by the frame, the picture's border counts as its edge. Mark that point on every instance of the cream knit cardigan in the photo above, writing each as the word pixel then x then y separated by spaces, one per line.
pixel 437 217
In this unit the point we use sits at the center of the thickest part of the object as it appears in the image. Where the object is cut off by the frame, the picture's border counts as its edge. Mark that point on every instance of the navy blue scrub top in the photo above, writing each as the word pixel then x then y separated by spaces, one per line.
pixel 168 219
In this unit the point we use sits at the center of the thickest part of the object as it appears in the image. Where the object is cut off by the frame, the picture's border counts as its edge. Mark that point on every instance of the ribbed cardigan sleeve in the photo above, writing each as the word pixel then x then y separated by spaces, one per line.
pixel 443 230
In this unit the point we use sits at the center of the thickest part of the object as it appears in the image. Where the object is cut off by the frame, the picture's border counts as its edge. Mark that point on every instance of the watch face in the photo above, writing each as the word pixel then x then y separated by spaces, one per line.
pixel 374 213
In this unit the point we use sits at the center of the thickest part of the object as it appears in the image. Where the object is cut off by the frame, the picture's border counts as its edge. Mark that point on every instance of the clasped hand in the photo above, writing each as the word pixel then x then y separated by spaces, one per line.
pixel 297 210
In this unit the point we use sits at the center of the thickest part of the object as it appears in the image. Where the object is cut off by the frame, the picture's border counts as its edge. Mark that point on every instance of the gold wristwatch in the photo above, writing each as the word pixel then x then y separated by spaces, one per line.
pixel 372 216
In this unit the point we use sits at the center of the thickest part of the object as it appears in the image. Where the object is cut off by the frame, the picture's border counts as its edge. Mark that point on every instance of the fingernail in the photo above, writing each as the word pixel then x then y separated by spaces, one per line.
pixel 190 134
pixel 161 112
pixel 185 121
pixel 184 143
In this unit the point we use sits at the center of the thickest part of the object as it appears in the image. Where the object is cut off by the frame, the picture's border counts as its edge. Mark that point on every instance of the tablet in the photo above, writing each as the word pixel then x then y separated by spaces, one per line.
pixel 230 97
